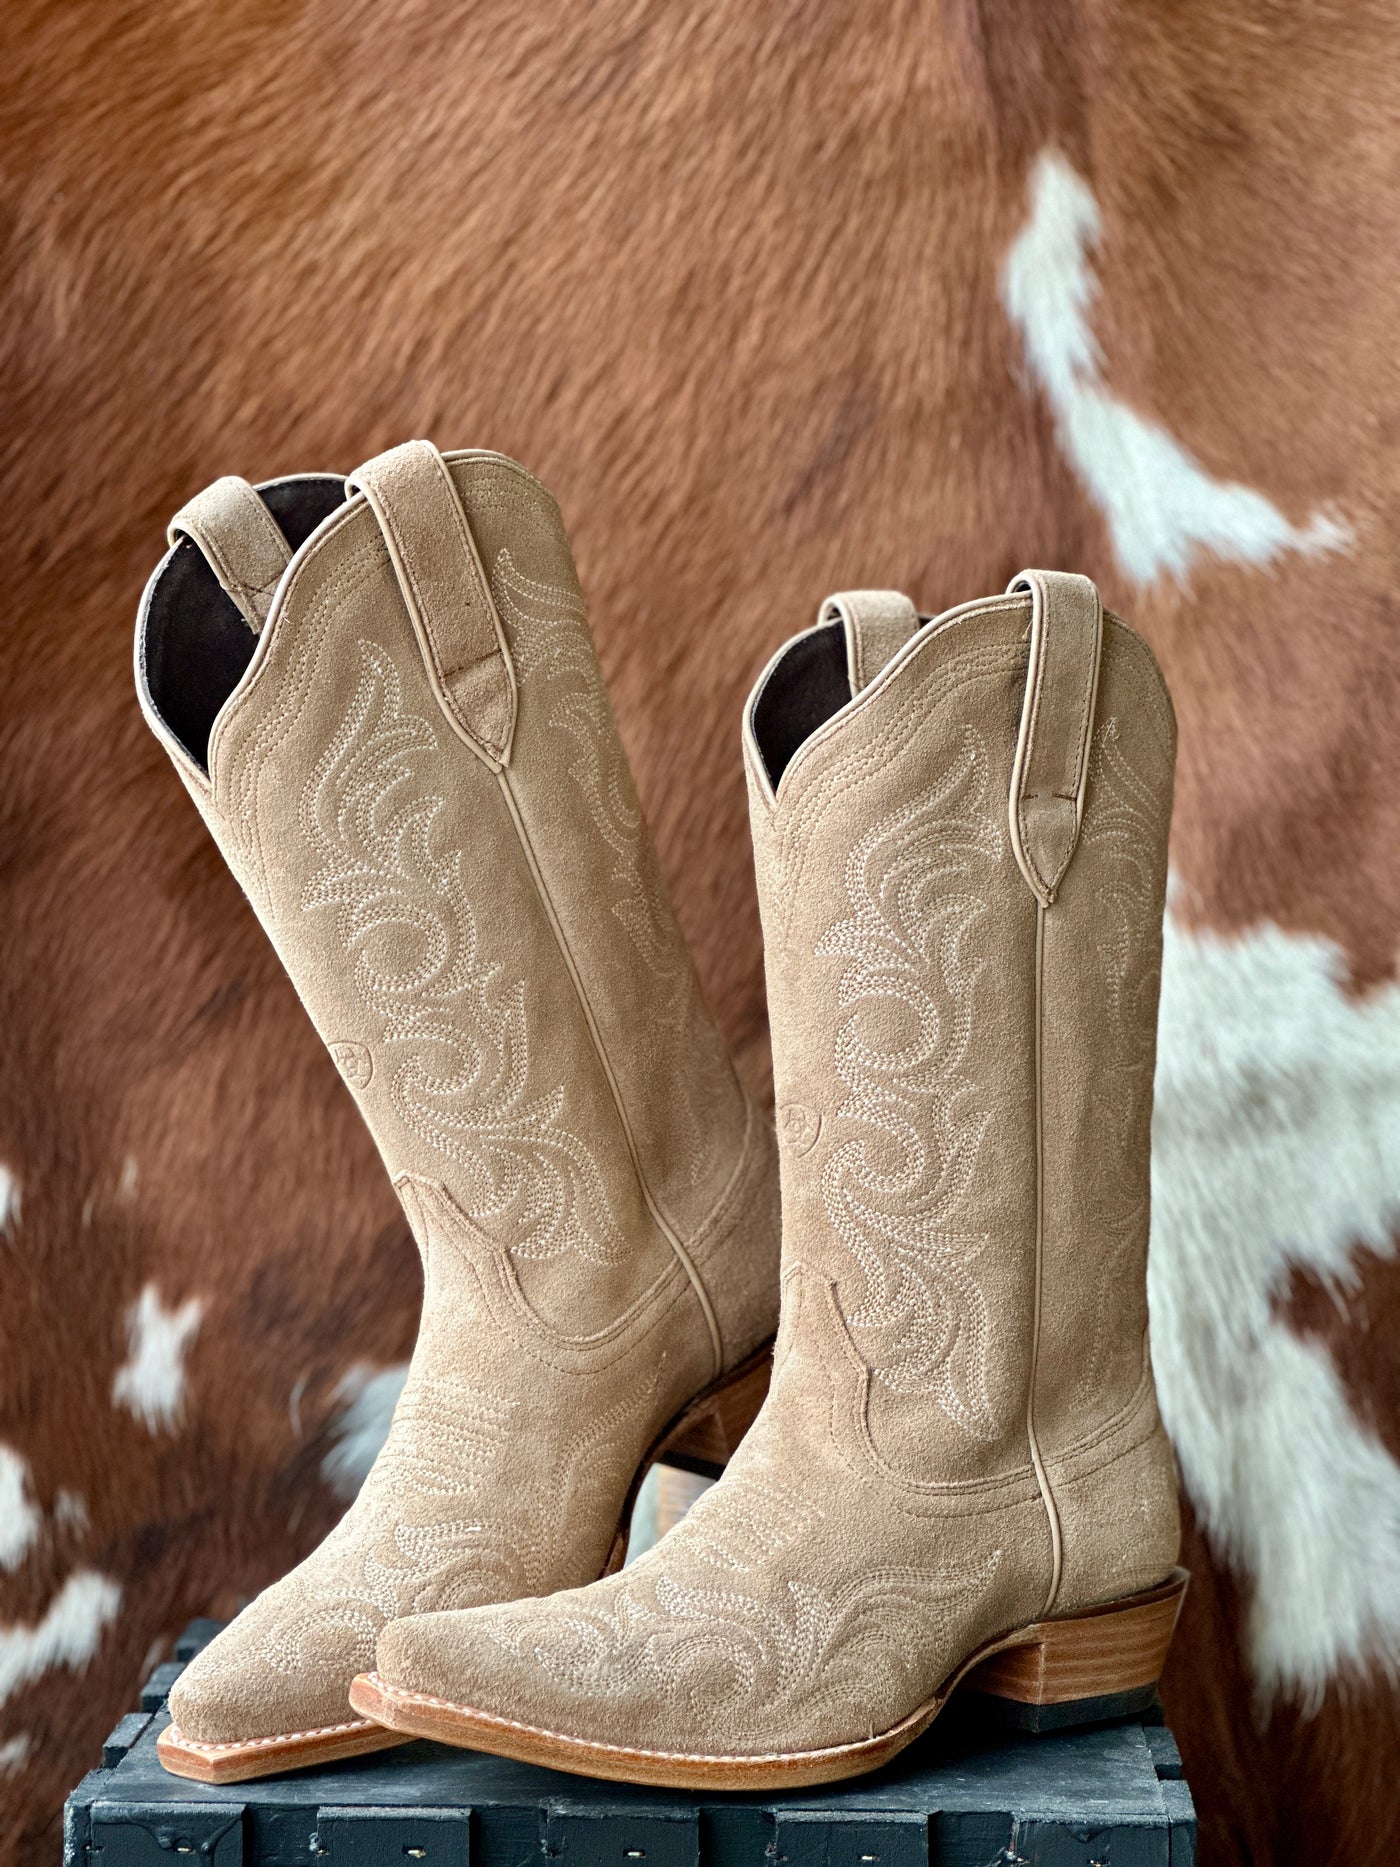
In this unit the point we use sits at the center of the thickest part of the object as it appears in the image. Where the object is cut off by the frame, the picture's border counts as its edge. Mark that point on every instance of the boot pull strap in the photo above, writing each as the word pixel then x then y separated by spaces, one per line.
pixel 242 542
pixel 877 624
pixel 1057 718
pixel 435 559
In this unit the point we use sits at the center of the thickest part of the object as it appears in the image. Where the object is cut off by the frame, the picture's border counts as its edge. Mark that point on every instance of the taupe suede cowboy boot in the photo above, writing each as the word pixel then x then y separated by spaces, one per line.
pixel 398 735
pixel 959 1476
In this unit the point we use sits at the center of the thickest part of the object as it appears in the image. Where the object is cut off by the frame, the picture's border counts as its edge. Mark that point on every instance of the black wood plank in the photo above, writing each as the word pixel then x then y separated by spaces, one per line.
pixel 410 1837
pixel 158 1834
pixel 120 1741
pixel 157 1688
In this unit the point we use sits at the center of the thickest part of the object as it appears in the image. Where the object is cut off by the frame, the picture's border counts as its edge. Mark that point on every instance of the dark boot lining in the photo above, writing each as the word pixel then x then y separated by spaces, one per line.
pixel 808 685
pixel 197 646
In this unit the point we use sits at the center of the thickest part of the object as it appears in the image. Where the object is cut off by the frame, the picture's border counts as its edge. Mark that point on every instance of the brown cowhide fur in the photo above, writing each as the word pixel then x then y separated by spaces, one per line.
pixel 728 278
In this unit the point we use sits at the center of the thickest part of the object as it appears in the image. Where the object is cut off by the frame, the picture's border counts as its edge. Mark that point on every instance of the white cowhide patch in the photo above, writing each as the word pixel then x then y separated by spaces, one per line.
pixel 151 1381
pixel 21 1520
pixel 13 1752
pixel 67 1634
pixel 1276 1143
pixel 11 1200
pixel 1161 505
pixel 1277 1133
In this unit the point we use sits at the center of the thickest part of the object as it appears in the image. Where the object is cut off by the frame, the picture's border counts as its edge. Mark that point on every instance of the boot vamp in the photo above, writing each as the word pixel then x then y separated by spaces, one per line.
pixel 810 1599
pixel 283 1665
pixel 479 1495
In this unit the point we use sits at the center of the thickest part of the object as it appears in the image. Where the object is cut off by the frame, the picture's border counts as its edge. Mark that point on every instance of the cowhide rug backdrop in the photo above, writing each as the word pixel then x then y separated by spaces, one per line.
pixel 778 298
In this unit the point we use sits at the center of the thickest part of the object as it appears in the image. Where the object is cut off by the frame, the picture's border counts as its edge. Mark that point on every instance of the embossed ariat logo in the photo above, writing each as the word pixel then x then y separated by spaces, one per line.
pixel 798 1127
pixel 354 1062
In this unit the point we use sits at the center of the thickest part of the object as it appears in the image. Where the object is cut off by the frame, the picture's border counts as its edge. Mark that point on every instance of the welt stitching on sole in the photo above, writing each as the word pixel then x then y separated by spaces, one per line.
pixel 176 1736
pixel 401 1697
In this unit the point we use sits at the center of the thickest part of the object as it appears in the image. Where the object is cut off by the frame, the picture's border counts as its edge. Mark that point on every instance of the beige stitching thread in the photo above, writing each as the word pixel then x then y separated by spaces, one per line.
pixel 894 670
pixel 237 799
pixel 365 1569
pixel 255 1743
pixel 1134 1422
pixel 778 1637
pixel 395 1694
pixel 663 1226
pixel 556 643
pixel 367 816
pixel 795 827
pixel 910 911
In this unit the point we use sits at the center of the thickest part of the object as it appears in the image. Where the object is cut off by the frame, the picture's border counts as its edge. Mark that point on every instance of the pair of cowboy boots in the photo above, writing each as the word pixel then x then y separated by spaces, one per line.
pixel 383 697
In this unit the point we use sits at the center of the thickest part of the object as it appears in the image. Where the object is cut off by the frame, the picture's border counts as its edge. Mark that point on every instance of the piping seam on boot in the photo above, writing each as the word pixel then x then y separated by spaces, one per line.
pixel 662 1223
pixel 1042 1476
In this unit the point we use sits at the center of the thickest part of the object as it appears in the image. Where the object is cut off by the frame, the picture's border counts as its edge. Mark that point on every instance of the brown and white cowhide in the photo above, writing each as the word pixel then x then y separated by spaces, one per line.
pixel 778 298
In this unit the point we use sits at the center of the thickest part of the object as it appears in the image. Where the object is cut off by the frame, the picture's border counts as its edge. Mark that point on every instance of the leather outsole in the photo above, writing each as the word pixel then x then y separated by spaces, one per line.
pixel 268 1756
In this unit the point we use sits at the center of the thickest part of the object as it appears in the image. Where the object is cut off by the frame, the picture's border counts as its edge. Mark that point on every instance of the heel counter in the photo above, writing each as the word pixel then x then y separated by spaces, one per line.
pixel 1118 1509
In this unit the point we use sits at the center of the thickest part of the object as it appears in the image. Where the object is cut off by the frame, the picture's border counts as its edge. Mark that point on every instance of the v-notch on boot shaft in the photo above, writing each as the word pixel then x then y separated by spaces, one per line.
pixel 959 1477
pixel 388 710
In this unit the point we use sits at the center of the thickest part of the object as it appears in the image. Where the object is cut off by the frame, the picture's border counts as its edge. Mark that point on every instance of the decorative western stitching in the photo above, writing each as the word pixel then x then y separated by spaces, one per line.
pixel 894 670
pixel 673 1635
pixel 927 688
pixel 897 1192
pixel 1029 1634
pixel 404 915
pixel 400 906
pixel 297 661
pixel 1130 1427
pixel 761 1518
pixel 446 1433
pixel 416 1539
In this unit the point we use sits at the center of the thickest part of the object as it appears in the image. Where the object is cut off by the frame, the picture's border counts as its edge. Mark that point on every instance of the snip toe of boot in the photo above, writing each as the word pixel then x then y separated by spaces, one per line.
pixel 213 1702
pixel 234 1691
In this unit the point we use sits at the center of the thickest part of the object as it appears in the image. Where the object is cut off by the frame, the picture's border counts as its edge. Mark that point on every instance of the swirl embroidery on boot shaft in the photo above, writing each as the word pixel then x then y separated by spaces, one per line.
pixel 897 1193
pixel 547 625
pixel 403 912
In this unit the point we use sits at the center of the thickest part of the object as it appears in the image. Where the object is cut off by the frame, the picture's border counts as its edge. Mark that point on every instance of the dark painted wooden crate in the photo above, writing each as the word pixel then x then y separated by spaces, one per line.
pixel 964 1796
